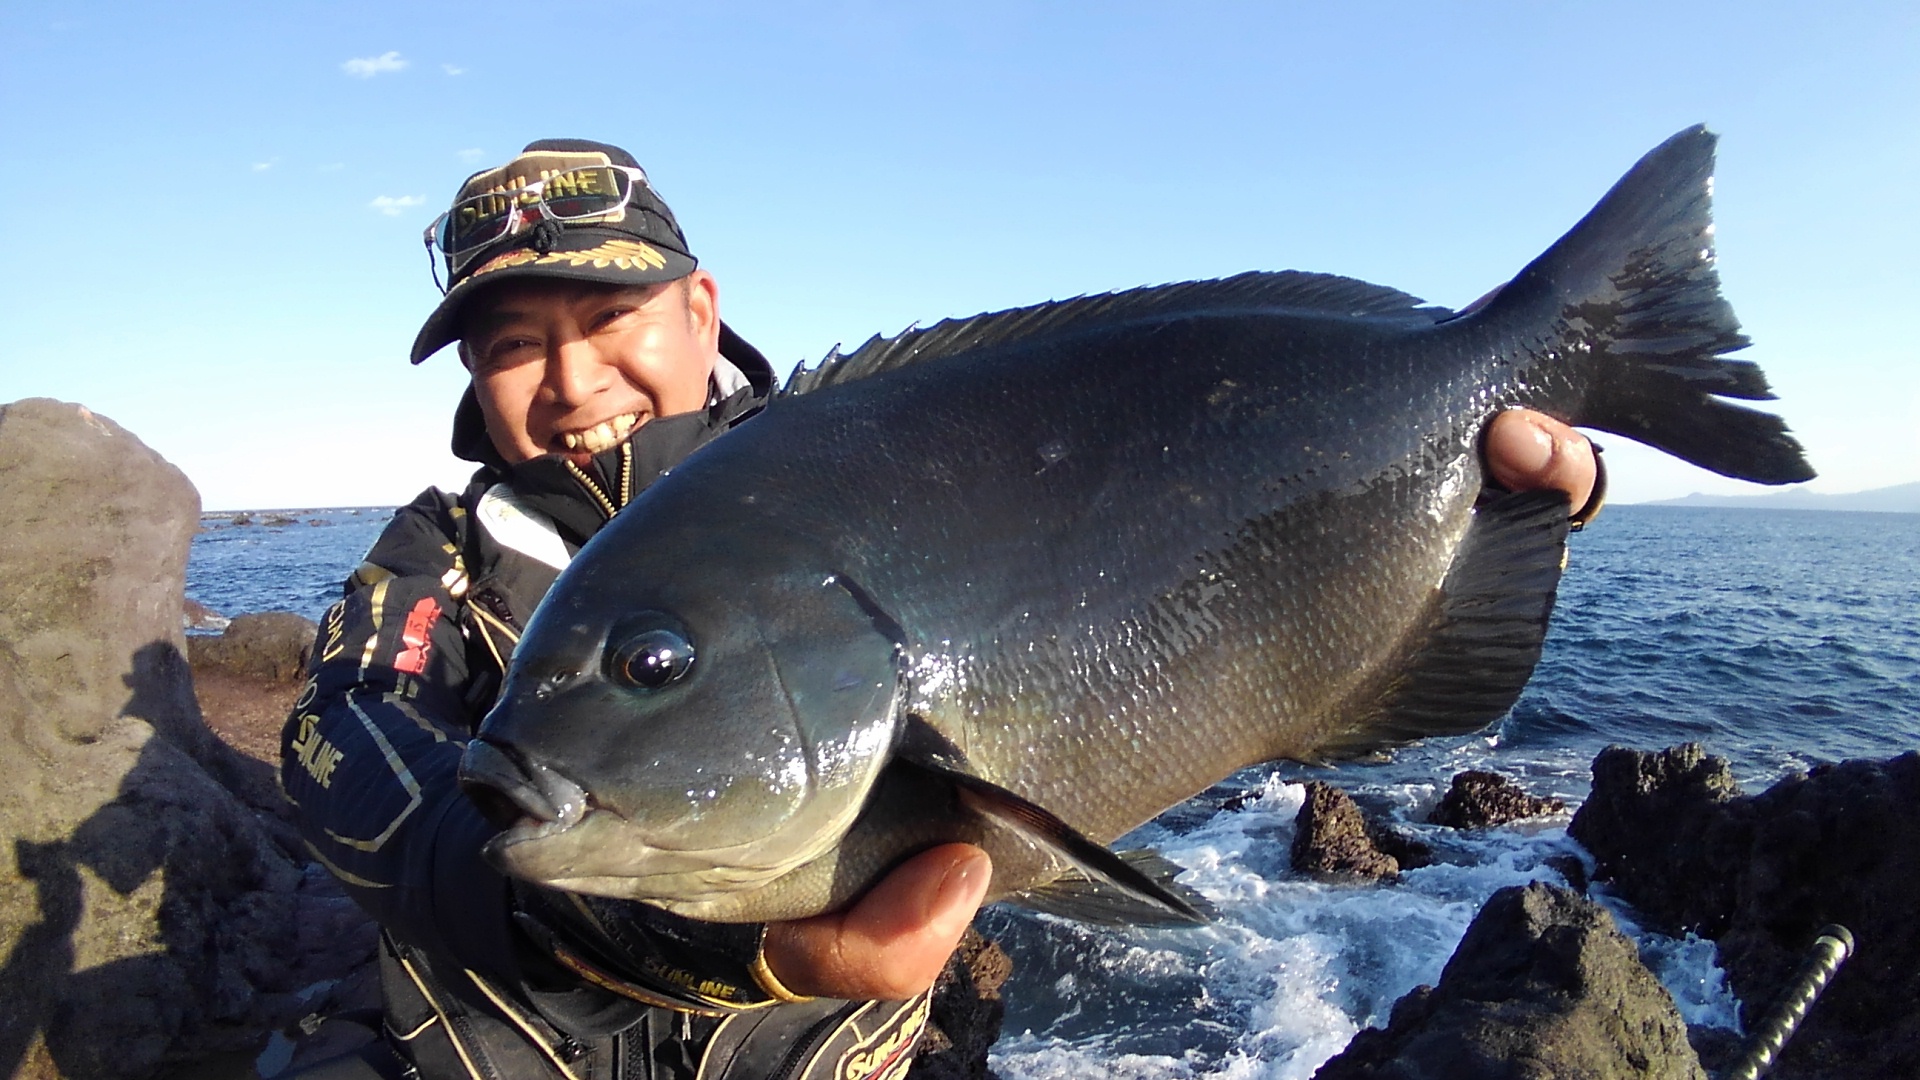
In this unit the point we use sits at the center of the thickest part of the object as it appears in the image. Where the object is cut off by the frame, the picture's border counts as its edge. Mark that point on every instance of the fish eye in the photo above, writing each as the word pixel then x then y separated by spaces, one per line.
pixel 651 659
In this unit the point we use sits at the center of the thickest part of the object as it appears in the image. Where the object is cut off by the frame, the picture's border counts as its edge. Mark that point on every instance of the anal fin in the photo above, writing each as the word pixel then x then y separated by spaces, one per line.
pixel 1467 665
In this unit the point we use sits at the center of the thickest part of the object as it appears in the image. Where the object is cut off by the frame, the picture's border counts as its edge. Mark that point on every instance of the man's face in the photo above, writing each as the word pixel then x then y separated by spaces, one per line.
pixel 571 368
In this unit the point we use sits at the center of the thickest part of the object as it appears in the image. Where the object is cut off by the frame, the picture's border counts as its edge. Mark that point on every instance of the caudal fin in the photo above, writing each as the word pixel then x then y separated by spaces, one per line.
pixel 1643 331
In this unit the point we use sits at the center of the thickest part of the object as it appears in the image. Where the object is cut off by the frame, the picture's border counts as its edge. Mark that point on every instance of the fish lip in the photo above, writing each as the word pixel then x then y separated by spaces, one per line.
pixel 665 877
pixel 509 789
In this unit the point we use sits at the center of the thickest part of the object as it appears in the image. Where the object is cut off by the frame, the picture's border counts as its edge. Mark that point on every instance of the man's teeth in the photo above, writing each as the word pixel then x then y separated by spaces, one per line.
pixel 601 436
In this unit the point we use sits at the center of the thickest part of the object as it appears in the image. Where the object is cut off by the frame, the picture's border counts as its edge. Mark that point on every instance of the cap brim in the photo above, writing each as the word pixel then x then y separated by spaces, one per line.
pixel 596 255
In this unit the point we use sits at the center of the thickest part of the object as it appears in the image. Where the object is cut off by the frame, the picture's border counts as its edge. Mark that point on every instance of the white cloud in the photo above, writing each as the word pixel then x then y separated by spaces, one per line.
pixel 391 206
pixel 263 166
pixel 453 69
pixel 366 67
pixel 472 155
pixel 333 166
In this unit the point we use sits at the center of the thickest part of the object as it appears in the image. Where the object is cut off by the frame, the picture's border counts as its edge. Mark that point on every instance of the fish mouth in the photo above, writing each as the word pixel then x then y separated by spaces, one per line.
pixel 519 795
pixel 553 833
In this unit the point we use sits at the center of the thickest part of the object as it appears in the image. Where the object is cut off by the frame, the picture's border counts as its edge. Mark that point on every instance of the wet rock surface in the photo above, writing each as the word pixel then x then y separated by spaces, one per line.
pixel 1337 840
pixel 1542 985
pixel 1478 799
pixel 1331 839
pixel 1762 874
pixel 1649 822
pixel 967 1013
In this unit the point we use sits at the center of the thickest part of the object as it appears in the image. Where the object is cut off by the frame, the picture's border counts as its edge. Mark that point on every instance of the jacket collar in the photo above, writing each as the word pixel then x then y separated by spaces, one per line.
pixel 582 499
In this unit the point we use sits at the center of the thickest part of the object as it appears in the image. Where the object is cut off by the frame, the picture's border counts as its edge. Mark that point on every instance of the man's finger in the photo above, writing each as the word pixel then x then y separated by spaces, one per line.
pixel 1530 451
pixel 893 942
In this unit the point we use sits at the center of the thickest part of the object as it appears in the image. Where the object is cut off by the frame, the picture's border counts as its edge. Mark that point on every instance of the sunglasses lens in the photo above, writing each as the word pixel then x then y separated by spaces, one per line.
pixel 475 222
pixel 583 193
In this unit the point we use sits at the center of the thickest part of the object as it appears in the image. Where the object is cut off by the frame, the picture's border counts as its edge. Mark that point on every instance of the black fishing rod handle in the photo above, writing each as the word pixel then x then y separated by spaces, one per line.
pixel 1830 949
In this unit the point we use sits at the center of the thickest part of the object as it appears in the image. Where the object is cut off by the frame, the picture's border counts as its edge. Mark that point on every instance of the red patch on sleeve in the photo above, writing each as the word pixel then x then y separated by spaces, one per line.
pixel 417 636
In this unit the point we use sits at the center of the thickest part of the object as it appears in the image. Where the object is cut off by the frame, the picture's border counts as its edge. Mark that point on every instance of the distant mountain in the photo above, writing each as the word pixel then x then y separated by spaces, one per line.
pixel 1898 499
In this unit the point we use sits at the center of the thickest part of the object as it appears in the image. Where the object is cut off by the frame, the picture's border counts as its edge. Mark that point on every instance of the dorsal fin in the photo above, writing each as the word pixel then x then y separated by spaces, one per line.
pixel 1287 290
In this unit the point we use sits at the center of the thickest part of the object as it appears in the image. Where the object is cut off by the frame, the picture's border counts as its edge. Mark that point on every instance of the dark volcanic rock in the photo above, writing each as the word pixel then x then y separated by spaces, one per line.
pixel 1762 874
pixel 1650 820
pixel 1479 799
pixel 967 1013
pixel 1410 853
pixel 1332 839
pixel 272 645
pixel 147 919
pixel 1542 986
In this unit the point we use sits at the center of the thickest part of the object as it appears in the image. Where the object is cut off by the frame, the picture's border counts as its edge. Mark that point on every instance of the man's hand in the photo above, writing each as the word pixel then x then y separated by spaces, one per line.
pixel 894 941
pixel 1529 451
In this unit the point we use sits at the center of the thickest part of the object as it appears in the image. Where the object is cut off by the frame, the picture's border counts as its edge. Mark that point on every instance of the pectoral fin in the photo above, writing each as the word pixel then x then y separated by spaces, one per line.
pixel 1128 888
pixel 1102 886
pixel 1074 895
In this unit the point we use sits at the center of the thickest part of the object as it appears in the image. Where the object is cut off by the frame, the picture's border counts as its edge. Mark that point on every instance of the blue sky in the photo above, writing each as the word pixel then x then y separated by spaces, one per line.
pixel 216 207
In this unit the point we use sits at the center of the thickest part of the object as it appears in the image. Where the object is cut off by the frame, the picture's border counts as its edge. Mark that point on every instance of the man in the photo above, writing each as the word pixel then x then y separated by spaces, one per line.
pixel 598 361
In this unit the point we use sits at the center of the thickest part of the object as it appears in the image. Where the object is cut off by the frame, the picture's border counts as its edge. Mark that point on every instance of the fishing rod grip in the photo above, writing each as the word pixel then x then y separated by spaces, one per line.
pixel 1830 949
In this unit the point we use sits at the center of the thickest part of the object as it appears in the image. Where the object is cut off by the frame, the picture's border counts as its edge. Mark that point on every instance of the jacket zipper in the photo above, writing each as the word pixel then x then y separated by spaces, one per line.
pixel 496 606
pixel 801 1054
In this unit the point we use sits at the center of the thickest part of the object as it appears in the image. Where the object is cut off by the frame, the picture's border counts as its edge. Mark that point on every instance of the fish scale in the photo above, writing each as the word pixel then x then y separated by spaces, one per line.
pixel 1026 580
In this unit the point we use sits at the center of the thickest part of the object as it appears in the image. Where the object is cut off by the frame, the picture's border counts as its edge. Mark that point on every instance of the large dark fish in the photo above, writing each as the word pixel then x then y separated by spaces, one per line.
pixel 1028 579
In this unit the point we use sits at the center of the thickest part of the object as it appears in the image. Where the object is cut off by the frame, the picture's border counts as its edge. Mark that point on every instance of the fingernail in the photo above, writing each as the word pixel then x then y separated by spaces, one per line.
pixel 964 886
pixel 1536 453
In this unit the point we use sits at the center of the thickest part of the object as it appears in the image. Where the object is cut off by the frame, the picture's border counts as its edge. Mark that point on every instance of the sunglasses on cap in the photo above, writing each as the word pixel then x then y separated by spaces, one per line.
pixel 587 193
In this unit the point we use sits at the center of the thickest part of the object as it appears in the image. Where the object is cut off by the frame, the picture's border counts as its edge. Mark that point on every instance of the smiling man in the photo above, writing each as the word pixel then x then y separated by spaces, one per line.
pixel 599 361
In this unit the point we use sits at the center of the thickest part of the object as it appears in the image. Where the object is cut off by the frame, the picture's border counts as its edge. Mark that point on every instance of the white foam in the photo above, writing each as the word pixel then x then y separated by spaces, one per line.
pixel 1294 968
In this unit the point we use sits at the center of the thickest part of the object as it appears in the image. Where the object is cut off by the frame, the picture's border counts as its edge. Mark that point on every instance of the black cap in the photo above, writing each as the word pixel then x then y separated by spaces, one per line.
pixel 639 244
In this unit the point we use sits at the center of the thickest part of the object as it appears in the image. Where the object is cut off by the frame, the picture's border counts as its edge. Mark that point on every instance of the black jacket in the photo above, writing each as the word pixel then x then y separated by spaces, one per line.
pixel 482 977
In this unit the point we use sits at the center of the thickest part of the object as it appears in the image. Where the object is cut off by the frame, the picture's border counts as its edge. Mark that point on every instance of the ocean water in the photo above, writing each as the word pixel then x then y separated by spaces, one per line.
pixel 296 564
pixel 1778 639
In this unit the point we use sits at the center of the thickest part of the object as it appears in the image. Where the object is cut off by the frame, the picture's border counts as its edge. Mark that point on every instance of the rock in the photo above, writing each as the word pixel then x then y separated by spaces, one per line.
pixel 240 519
pixel 1838 844
pixel 1479 800
pixel 197 616
pixel 273 645
pixel 278 520
pixel 1648 821
pixel 1571 868
pixel 1543 985
pixel 1331 838
pixel 966 1015
pixel 1410 853
pixel 147 918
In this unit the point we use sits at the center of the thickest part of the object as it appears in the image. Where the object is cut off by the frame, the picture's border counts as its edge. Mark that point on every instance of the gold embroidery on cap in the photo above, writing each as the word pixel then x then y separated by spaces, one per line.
pixel 511 258
pixel 625 254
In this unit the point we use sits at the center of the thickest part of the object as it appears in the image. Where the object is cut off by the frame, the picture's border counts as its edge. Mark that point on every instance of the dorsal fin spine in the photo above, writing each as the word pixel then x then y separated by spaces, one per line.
pixel 1289 291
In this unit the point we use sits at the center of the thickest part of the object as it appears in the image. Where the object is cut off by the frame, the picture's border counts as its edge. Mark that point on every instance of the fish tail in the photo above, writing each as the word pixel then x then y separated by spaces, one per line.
pixel 1641 331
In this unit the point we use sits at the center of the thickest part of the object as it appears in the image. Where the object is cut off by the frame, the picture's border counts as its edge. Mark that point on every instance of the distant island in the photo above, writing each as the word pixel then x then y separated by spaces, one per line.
pixel 1898 499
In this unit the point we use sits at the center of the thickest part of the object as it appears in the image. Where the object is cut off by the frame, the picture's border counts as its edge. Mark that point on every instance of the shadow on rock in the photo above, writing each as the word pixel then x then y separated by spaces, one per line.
pixel 171 927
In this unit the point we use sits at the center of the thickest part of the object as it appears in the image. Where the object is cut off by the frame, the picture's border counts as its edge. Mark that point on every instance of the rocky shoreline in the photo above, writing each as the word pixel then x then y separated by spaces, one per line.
pixel 159 916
